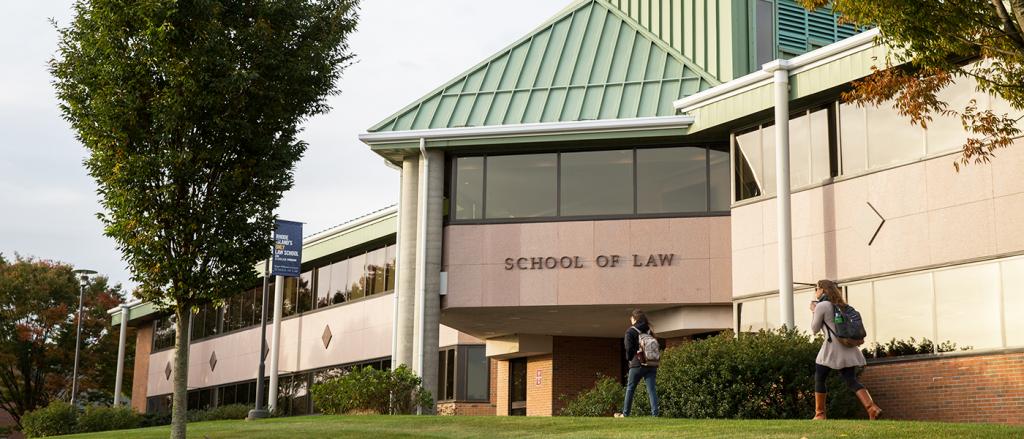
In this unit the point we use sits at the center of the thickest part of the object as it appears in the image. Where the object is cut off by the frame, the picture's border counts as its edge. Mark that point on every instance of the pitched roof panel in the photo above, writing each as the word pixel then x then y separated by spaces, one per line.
pixel 589 62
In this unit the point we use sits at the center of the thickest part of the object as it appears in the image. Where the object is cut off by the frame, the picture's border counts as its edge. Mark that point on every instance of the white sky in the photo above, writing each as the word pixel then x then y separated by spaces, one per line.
pixel 405 48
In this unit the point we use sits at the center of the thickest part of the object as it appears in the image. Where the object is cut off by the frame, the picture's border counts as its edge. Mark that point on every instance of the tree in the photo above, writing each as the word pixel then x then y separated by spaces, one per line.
pixel 937 42
pixel 38 306
pixel 190 111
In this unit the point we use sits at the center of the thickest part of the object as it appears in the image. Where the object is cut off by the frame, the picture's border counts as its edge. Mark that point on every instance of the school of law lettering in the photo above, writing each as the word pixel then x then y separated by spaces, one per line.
pixel 572 262
pixel 612 160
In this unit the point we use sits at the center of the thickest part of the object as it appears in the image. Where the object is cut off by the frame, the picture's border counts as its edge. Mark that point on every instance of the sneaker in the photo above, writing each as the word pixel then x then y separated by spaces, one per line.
pixel 619 415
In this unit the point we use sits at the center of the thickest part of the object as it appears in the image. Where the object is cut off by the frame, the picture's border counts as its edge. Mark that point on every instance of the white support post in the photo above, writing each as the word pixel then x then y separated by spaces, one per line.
pixel 275 343
pixel 780 70
pixel 421 264
pixel 121 343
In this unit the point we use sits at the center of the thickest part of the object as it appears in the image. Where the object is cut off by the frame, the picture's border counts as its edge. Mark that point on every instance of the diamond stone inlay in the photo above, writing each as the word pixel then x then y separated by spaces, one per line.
pixel 167 371
pixel 213 360
pixel 327 336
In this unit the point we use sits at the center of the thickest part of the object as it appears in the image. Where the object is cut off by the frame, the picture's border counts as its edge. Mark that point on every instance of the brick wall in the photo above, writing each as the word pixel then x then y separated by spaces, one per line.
pixel 459 408
pixel 577 363
pixel 140 375
pixel 979 388
pixel 539 391
pixel 501 388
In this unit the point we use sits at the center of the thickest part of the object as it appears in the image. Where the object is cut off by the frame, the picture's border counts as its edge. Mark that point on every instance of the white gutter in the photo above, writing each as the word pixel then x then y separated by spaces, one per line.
pixel 421 260
pixel 319 236
pixel 528 129
pixel 398 260
pixel 783 212
pixel 764 76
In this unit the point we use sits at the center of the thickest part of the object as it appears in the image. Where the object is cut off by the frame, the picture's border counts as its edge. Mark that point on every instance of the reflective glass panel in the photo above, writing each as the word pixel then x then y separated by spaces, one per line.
pixel 720 184
pixel 891 137
pixel 390 265
pixel 903 308
pixel 821 167
pixel 752 316
pixel 967 306
pixel 853 138
pixel 800 150
pixel 469 191
pixel 323 286
pixel 946 133
pixel 339 282
pixel 304 299
pixel 356 277
pixel 522 186
pixel 597 183
pixel 861 297
pixel 478 371
pixel 1013 301
pixel 375 271
pixel 671 180
pixel 749 179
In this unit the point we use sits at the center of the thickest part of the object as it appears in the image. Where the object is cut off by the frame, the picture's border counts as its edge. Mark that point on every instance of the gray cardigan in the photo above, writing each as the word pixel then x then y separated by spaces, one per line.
pixel 834 354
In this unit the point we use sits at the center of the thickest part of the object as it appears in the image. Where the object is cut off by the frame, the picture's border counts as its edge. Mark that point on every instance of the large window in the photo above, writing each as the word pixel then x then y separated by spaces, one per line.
pixel 463 374
pixel 613 183
pixel 974 306
pixel 810 146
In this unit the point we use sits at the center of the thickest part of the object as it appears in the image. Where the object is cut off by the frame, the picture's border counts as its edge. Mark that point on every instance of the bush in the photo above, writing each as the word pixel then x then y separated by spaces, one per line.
pixel 230 411
pixel 55 419
pixel 156 419
pixel 763 375
pixel 369 390
pixel 605 399
pixel 103 418
pixel 897 347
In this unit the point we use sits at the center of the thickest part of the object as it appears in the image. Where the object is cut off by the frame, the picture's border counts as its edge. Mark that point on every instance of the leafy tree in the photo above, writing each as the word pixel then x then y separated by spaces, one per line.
pixel 190 111
pixel 937 42
pixel 38 306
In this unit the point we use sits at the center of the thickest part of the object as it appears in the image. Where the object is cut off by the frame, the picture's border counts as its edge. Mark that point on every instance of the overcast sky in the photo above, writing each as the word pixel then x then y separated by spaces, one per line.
pixel 405 49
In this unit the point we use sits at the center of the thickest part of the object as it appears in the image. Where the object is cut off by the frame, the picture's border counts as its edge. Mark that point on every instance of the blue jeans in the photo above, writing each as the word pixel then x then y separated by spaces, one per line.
pixel 648 374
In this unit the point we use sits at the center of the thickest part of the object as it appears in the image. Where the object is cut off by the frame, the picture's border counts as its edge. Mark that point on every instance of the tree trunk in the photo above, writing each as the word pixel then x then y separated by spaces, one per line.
pixel 179 409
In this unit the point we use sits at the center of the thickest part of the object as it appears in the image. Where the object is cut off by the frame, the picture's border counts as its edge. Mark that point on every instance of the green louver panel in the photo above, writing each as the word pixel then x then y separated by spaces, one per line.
pixel 590 62
pixel 801 31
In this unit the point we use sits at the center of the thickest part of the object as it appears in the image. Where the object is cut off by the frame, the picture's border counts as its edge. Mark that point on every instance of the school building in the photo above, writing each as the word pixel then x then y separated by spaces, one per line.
pixel 625 154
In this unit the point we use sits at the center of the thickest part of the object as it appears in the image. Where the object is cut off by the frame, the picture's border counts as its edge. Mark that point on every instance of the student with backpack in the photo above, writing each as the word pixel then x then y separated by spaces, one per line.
pixel 841 349
pixel 643 354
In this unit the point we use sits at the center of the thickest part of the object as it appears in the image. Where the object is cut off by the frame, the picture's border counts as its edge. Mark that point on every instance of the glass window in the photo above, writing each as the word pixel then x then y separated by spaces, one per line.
pixel 198 322
pixel 478 372
pixel 946 133
pixel 356 277
pixel 323 286
pixel 752 316
pixel 891 137
pixel 671 180
pixel 521 186
pixel 247 309
pixel 228 311
pixel 290 289
pixel 967 306
pixel 1013 301
pixel 853 138
pixel 800 150
pixel 390 258
pixel 212 320
pixel 469 191
pixel 862 298
pixel 375 273
pixel 801 313
pixel 768 159
pixel 720 184
pixel 339 282
pixel 597 183
pixel 304 295
pixel 257 316
pixel 903 308
pixel 821 147
pixel 772 317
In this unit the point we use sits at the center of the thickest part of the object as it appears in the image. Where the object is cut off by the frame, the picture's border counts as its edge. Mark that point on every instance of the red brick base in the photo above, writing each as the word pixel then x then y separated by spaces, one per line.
pixel 465 409
pixel 976 388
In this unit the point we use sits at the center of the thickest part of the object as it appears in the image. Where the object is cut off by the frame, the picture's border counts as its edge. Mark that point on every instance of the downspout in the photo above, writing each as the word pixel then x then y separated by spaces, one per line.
pixel 398 259
pixel 784 225
pixel 421 260
pixel 121 345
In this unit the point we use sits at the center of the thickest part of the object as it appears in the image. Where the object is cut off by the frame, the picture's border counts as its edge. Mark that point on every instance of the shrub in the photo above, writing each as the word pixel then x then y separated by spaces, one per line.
pixel 103 418
pixel 230 411
pixel 55 419
pixel 369 390
pixel 898 347
pixel 762 375
pixel 155 419
pixel 605 399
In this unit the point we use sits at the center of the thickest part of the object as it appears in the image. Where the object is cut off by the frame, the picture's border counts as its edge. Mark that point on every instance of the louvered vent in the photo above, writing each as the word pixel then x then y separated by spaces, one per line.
pixel 801 31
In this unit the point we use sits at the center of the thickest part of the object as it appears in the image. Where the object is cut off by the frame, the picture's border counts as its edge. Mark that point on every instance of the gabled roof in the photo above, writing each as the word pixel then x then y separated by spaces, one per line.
pixel 590 62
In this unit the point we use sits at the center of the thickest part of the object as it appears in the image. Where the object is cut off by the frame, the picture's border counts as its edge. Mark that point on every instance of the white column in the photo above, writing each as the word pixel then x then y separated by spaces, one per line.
pixel 780 70
pixel 122 341
pixel 275 343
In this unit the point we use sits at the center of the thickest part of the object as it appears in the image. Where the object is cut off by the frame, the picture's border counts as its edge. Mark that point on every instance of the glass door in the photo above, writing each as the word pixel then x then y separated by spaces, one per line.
pixel 517 387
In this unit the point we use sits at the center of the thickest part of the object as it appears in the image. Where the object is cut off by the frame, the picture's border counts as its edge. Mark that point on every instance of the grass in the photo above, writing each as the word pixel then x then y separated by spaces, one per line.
pixel 519 427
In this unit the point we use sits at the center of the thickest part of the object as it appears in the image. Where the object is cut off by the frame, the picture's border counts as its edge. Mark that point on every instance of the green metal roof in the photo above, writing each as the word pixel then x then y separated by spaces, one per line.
pixel 590 62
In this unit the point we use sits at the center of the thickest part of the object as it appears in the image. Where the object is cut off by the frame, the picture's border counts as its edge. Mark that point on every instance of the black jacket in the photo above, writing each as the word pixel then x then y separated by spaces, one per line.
pixel 632 342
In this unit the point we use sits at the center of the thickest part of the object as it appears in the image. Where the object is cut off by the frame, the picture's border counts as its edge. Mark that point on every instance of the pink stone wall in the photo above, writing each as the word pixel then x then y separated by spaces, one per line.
pixel 933 215
pixel 700 273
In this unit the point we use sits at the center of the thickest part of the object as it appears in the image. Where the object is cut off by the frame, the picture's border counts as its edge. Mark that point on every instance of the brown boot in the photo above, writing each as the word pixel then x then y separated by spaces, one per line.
pixel 819 406
pixel 869 404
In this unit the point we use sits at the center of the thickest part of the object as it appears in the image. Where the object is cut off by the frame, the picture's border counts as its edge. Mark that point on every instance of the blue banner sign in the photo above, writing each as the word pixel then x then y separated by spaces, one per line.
pixel 287 249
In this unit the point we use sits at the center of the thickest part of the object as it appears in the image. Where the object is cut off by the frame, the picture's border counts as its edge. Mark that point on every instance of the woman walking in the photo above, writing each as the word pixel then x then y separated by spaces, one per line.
pixel 834 355
pixel 639 366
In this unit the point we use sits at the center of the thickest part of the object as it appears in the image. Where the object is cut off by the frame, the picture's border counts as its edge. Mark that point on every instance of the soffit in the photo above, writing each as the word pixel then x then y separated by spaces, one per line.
pixel 591 62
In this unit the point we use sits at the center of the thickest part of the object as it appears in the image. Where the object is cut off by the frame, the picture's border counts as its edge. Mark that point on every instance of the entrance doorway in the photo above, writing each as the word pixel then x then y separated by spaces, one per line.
pixel 517 387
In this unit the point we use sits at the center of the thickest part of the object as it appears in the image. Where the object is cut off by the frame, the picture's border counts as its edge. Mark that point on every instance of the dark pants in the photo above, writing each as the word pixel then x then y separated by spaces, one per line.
pixel 635 374
pixel 849 375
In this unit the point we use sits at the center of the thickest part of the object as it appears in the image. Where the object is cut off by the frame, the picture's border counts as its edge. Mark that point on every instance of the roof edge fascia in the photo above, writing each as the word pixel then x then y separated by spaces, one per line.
pixel 676 121
pixel 794 65
pixel 355 224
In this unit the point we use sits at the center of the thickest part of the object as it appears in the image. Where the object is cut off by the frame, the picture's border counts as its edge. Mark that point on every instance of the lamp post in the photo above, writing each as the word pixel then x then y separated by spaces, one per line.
pixel 83 276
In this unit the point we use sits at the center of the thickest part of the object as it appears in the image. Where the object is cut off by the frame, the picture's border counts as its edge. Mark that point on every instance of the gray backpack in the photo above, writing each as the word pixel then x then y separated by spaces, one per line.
pixel 649 353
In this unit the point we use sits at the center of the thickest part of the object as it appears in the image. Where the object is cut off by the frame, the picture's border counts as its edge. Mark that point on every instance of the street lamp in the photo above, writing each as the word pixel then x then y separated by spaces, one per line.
pixel 83 276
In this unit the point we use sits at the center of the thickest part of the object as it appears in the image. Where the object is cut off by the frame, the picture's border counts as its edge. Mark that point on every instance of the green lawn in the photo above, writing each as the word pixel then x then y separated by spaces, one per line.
pixel 505 427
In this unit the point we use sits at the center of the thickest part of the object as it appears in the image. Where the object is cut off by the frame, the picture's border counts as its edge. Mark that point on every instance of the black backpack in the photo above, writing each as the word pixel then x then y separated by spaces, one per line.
pixel 850 330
